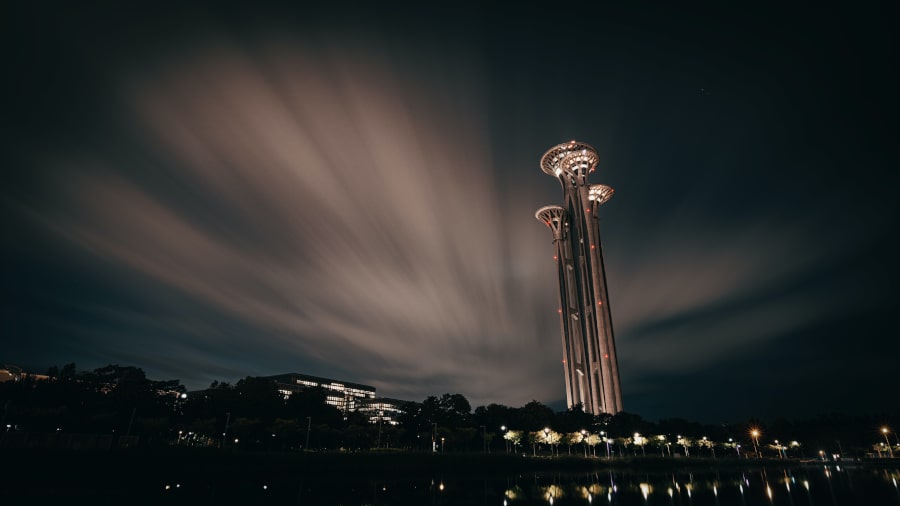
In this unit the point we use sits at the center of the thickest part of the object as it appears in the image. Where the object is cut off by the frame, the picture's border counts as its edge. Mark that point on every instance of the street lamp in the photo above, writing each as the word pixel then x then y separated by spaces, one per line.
pixel 505 439
pixel 308 426
pixel 605 440
pixel 684 445
pixel 737 446
pixel 884 432
pixel 584 440
pixel 434 437
pixel 547 438
pixel 712 446
pixel 664 445
pixel 778 449
pixel 799 449
pixel 755 434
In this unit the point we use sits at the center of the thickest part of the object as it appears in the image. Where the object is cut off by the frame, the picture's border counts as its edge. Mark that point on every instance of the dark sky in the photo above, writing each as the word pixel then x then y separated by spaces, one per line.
pixel 210 193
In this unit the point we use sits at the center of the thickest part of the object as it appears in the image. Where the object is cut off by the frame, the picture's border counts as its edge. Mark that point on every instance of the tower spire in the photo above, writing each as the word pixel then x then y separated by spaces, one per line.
pixel 589 351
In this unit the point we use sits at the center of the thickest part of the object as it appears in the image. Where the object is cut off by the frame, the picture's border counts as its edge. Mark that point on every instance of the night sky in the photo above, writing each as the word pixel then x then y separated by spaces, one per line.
pixel 209 193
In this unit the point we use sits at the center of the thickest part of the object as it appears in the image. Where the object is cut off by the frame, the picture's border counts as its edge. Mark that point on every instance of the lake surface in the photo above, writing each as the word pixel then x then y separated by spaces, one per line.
pixel 761 486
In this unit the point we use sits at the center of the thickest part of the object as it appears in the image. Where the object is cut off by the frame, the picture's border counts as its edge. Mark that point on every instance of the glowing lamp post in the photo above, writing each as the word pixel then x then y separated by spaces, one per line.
pixel 684 444
pixel 884 432
pixel 755 434
pixel 434 437
pixel 780 449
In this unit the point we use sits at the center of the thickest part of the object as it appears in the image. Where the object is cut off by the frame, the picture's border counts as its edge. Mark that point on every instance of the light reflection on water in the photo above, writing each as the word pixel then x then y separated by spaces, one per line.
pixel 819 485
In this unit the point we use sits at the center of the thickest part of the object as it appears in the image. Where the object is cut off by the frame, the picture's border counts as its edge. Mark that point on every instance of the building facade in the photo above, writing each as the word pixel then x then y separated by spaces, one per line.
pixel 344 395
pixel 589 350
pixel 382 410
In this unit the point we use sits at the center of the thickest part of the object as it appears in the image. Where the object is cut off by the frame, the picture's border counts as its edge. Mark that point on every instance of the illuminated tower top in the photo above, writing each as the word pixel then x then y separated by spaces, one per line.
pixel 574 159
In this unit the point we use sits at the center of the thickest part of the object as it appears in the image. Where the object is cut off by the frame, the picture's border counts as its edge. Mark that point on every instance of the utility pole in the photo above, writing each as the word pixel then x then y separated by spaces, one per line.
pixel 130 422
pixel 308 426
pixel 225 432
pixel 380 416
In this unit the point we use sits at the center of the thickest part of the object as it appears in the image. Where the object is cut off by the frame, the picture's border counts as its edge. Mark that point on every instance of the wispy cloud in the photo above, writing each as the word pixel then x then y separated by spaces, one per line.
pixel 322 206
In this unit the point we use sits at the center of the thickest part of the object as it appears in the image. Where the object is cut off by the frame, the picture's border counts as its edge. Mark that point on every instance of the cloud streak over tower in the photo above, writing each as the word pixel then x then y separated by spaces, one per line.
pixel 589 350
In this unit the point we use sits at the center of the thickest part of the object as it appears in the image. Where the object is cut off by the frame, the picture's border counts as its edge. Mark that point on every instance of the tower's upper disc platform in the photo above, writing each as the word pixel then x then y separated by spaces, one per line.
pixel 570 157
pixel 548 214
pixel 600 193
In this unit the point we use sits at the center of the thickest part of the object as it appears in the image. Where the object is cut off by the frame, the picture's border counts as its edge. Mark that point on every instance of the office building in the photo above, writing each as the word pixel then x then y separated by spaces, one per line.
pixel 343 395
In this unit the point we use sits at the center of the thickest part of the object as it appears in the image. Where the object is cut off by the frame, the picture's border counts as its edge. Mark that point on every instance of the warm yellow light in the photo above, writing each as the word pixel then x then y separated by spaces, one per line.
pixel 645 489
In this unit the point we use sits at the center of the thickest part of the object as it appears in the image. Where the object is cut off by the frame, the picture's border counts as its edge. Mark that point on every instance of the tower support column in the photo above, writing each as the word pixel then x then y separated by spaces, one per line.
pixel 589 352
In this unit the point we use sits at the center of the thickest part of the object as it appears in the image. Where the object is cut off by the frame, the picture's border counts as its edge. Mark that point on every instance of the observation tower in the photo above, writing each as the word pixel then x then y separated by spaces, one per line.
pixel 589 348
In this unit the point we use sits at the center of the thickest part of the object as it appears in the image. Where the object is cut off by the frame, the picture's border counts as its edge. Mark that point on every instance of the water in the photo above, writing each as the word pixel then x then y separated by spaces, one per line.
pixel 770 486
pixel 820 485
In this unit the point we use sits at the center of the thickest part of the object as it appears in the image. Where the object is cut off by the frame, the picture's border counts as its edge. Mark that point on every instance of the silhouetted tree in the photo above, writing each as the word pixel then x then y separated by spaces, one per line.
pixel 455 410
pixel 534 416
pixel 573 420
pixel 626 424
pixel 313 402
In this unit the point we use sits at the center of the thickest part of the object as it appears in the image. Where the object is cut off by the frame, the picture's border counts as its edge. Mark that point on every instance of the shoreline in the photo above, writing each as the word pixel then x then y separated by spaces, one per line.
pixel 210 462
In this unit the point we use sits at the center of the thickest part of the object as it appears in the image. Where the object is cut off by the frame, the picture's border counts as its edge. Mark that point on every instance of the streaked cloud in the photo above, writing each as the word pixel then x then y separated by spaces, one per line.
pixel 321 206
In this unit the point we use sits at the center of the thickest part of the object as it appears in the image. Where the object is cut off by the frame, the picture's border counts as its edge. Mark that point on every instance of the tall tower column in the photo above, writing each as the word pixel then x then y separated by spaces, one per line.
pixel 589 352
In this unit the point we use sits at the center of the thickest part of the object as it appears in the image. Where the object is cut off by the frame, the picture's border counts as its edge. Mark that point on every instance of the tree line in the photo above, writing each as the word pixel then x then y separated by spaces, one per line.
pixel 252 414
